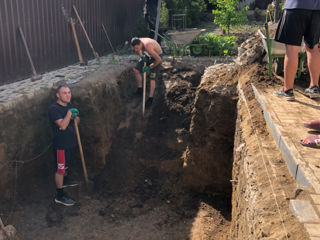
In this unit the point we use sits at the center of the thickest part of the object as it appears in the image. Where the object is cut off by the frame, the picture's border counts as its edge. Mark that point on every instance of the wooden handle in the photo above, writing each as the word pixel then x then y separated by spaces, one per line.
pixel 86 34
pixel 81 151
pixel 76 41
pixel 28 53
pixel 105 32
pixel 144 91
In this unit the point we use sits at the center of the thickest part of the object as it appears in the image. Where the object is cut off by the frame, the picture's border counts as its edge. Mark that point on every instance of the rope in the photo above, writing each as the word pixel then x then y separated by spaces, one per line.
pixel 264 161
pixel 29 160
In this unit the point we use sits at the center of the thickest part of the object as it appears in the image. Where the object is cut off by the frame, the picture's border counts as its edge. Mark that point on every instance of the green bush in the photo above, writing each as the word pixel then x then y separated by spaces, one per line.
pixel 214 45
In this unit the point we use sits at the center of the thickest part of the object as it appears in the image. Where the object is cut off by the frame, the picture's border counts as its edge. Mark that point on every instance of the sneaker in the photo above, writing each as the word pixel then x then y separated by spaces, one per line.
pixel 65 201
pixel 67 182
pixel 289 96
pixel 312 92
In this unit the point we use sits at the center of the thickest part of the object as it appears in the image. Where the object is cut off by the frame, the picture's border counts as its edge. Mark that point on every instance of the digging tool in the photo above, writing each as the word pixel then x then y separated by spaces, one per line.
pixel 82 63
pixel 144 91
pixel 34 72
pixel 81 153
pixel 86 34
pixel 105 32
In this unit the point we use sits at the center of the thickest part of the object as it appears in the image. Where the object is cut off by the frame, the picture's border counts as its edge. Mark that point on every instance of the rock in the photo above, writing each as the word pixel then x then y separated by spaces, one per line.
pixel 250 51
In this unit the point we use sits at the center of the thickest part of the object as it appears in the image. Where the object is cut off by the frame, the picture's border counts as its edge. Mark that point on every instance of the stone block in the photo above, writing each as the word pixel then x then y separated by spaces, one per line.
pixel 304 211
pixel 313 229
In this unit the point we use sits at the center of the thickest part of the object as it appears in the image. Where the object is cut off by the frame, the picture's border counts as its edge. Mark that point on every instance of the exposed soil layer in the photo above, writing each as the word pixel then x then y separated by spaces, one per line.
pixel 262 184
pixel 150 188
pixel 139 194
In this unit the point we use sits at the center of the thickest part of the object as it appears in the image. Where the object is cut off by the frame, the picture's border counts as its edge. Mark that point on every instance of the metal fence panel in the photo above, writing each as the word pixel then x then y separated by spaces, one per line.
pixel 49 35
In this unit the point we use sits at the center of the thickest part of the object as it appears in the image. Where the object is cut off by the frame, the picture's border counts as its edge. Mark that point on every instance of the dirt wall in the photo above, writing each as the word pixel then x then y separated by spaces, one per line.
pixel 208 156
pixel 262 185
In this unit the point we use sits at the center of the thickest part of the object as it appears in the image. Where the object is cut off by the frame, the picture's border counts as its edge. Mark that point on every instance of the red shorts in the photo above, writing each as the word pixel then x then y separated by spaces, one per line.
pixel 62 159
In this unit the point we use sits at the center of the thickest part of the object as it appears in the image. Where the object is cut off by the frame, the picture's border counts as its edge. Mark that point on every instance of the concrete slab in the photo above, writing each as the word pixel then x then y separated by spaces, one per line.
pixel 313 229
pixel 304 211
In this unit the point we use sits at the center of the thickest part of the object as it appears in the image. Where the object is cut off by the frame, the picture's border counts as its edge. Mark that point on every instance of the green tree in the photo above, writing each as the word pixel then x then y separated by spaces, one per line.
pixel 227 14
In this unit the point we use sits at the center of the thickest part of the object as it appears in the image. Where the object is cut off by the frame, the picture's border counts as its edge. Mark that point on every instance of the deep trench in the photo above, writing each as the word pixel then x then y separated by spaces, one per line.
pixel 144 172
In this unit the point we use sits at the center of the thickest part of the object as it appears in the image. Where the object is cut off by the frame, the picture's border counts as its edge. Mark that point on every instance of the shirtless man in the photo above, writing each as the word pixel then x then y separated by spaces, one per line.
pixel 150 52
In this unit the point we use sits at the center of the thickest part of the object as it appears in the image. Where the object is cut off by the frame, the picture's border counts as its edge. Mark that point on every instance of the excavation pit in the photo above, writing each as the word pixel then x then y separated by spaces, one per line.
pixel 155 177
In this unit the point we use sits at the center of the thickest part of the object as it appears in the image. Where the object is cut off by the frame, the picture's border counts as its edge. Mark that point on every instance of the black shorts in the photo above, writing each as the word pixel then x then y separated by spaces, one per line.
pixel 298 23
pixel 63 159
pixel 154 72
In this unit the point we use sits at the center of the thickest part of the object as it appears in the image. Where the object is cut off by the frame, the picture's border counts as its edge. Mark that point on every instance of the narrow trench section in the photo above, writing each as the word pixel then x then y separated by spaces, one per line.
pixel 174 166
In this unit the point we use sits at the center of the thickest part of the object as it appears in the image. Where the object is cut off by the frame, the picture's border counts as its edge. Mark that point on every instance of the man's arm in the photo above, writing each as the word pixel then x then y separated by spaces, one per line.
pixel 155 56
pixel 63 123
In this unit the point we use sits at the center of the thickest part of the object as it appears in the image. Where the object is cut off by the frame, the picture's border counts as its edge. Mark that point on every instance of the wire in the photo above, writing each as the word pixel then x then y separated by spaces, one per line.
pixel 16 162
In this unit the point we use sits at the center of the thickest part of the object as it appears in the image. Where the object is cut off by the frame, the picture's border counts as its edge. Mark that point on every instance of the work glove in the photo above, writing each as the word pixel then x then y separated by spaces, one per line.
pixel 75 112
pixel 146 69
pixel 143 58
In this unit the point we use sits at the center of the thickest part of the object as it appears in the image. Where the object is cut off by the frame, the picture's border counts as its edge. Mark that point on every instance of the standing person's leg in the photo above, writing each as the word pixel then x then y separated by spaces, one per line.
pixel 313 56
pixel 290 31
pixel 290 65
pixel 311 40
pixel 154 75
pixel 60 157
pixel 137 70
pixel 67 181
pixel 152 87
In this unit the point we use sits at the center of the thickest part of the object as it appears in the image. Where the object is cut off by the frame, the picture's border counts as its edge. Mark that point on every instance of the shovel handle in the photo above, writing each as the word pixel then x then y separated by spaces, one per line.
pixel 144 91
pixel 81 152
pixel 76 41
pixel 86 34
pixel 34 72
pixel 106 33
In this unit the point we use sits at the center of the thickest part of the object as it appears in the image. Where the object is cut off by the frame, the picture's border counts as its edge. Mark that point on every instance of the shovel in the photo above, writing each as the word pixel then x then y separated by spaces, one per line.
pixel 81 154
